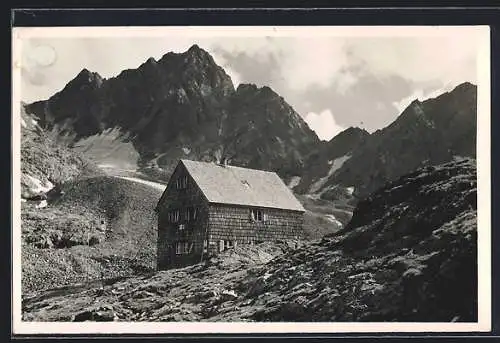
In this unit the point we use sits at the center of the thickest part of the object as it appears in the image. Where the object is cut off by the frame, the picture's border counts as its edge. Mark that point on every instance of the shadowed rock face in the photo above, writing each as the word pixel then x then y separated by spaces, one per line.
pixel 426 133
pixel 183 105
pixel 45 163
pixel 319 162
pixel 431 132
pixel 409 254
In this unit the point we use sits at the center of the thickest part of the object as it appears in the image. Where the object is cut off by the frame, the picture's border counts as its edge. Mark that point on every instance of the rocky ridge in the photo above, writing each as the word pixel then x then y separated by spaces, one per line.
pixel 181 106
pixel 430 132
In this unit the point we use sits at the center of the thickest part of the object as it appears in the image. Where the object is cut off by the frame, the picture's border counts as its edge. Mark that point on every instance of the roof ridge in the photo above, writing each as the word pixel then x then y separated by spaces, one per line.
pixel 226 184
pixel 229 166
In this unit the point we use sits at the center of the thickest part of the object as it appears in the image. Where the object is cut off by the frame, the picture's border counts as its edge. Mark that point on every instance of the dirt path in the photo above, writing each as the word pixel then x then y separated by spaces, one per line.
pixel 127 174
pixel 156 185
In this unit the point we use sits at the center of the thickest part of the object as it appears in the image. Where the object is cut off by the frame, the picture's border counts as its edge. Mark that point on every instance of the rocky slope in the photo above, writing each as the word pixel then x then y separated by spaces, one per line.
pixel 431 132
pixel 91 228
pixel 183 105
pixel 408 254
pixel 105 226
pixel 322 163
pixel 44 162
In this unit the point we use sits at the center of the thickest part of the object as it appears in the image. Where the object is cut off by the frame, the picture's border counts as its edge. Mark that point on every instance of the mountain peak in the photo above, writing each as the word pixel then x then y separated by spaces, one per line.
pixel 196 52
pixel 86 77
pixel 85 74
pixel 355 130
pixel 350 137
pixel 465 86
pixel 246 87
pixel 251 87
pixel 195 48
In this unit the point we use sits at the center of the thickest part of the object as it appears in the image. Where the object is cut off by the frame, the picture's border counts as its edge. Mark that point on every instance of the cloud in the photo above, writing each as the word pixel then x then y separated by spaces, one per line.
pixel 341 61
pixel 323 124
pixel 363 80
pixel 421 95
pixel 257 67
pixel 235 77
pixel 314 61
pixel 449 58
pixel 366 104
pixel 298 62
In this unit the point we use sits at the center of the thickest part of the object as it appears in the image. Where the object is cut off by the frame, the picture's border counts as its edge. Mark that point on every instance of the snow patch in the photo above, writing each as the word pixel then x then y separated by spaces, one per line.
pixel 186 150
pixel 34 122
pixel 294 181
pixel 335 165
pixel 42 204
pixel 23 123
pixel 332 218
pixel 420 114
pixel 110 147
pixel 458 158
pixel 38 187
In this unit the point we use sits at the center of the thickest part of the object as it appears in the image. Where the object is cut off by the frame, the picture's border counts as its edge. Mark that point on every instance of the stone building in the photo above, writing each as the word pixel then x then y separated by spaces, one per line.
pixel 207 208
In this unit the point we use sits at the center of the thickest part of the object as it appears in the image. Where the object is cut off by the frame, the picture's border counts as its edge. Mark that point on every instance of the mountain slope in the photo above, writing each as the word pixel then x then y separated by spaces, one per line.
pixel 431 132
pixel 183 105
pixel 92 228
pixel 44 162
pixel 396 260
pixel 322 163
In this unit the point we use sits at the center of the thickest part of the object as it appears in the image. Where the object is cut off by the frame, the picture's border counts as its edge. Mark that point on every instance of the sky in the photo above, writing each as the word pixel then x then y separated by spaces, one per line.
pixel 333 81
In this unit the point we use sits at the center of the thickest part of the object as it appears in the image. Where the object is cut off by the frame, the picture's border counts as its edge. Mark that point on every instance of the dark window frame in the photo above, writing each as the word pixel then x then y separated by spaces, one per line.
pixel 257 215
pixel 182 182
pixel 184 247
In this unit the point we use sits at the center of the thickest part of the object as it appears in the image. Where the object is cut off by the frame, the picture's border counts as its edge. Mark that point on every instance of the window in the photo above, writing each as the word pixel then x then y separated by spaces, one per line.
pixel 181 182
pixel 174 216
pixel 228 245
pixel 183 248
pixel 257 215
pixel 190 214
pixel 178 248
pixel 205 246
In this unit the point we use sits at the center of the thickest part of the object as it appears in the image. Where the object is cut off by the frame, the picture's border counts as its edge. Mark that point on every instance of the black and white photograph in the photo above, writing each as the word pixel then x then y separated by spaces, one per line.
pixel 251 179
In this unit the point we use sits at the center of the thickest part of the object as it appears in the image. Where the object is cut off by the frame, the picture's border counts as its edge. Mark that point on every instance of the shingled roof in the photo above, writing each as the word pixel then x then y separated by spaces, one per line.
pixel 225 184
